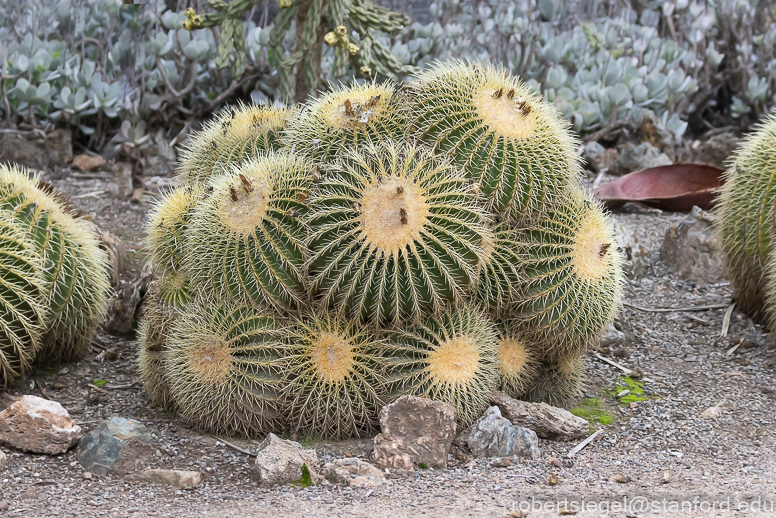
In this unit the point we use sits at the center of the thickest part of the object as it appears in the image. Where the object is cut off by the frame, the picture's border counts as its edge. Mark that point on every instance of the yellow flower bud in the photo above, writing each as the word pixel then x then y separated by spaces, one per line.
pixel 342 30
pixel 366 71
pixel 353 49
pixel 331 39
pixel 285 4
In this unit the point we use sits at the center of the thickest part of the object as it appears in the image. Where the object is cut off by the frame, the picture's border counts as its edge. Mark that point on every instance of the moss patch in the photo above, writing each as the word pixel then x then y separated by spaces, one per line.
pixel 305 481
pixel 636 389
pixel 591 410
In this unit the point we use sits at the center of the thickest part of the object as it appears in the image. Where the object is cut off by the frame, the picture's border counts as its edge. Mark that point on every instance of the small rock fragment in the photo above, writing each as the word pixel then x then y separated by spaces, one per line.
pixel 503 462
pixel 354 472
pixel 620 478
pixel 170 477
pixel 38 425
pixel 547 421
pixel 3 505
pixel 88 162
pixel 86 475
pixel 714 412
pixel 555 462
pixel 279 461
pixel 666 477
pixel 494 436
pixel 3 461
pixel 116 445
pixel 414 430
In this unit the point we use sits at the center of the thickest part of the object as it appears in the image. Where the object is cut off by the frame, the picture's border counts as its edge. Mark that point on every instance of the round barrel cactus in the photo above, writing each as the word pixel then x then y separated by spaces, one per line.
pixel 237 134
pixel 225 366
pixel 559 381
pixel 152 336
pixel 518 361
pixel 394 234
pixel 572 280
pixel 513 145
pixel 166 228
pixel 245 239
pixel 335 377
pixel 498 273
pixel 452 358
pixel 74 267
pixel 746 216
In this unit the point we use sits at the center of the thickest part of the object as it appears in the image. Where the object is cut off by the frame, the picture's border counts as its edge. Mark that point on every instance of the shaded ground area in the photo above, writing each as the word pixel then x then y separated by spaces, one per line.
pixel 733 457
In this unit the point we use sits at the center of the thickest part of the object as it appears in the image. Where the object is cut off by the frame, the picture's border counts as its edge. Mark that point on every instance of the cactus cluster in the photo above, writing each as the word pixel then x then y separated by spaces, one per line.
pixel 55 281
pixel 747 222
pixel 426 239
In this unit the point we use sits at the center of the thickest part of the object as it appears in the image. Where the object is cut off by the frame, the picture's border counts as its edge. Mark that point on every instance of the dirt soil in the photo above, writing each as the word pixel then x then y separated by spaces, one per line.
pixel 715 467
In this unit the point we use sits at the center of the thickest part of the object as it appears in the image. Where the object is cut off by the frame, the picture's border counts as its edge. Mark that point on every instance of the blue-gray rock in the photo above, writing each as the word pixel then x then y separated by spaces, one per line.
pixel 116 446
pixel 494 436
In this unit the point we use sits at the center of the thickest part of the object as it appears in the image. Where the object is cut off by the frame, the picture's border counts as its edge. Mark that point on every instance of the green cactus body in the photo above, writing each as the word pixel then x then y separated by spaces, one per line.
pixel 394 233
pixel 234 136
pixel 334 377
pixel 75 268
pixel 345 119
pixel 572 280
pixel 166 229
pixel 499 271
pixel 451 358
pixel 558 382
pixel 153 333
pixel 518 362
pixel 22 300
pixel 224 364
pixel 746 215
pixel 509 141
pixel 246 239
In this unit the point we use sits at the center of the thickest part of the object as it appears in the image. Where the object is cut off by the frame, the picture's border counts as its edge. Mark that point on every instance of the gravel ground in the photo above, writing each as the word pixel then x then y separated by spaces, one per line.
pixel 727 461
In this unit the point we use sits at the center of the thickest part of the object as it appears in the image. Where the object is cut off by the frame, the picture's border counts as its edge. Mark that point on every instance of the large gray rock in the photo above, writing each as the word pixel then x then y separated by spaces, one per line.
pixel 116 446
pixel 38 425
pixel 494 436
pixel 414 430
pixel 354 472
pixel 280 462
pixel 637 157
pixel 547 421
pixel 42 153
pixel 692 249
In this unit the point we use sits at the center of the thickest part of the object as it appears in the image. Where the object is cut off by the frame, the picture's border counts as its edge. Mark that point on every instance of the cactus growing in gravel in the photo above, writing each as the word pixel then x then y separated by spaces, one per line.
pixel 746 216
pixel 153 333
pixel 22 301
pixel 335 377
pixel 499 271
pixel 512 143
pixel 518 361
pixel 346 118
pixel 558 381
pixel 75 268
pixel 394 233
pixel 246 238
pixel 572 279
pixel 237 134
pixel 166 229
pixel 452 358
pixel 225 364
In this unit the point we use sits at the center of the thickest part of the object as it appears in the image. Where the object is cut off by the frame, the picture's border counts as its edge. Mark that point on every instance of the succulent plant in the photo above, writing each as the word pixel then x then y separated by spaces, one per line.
pixel 346 118
pixel 22 300
pixel 518 361
pixel 452 358
pixel 335 377
pixel 512 144
pixel 166 228
pixel 746 219
pixel 246 238
pixel 75 268
pixel 225 367
pixel 572 280
pixel 499 271
pixel 394 233
pixel 559 381
pixel 236 135
pixel 152 336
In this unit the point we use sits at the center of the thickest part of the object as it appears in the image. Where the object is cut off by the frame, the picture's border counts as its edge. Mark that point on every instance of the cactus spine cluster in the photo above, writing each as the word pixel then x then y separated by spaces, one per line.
pixel 73 266
pixel 424 239
pixel 746 218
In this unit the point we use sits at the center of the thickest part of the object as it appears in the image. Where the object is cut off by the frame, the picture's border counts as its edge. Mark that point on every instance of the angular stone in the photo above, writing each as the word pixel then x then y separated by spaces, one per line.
pixel 280 462
pixel 116 446
pixel 42 153
pixel 547 421
pixel 494 436
pixel 414 430
pixel 637 157
pixel 354 472
pixel 692 249
pixel 88 162
pixel 3 461
pixel 170 477
pixel 38 425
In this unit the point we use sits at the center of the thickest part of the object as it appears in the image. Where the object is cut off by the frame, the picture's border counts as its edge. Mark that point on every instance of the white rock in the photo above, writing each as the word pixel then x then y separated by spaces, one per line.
pixel 280 462
pixel 38 425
